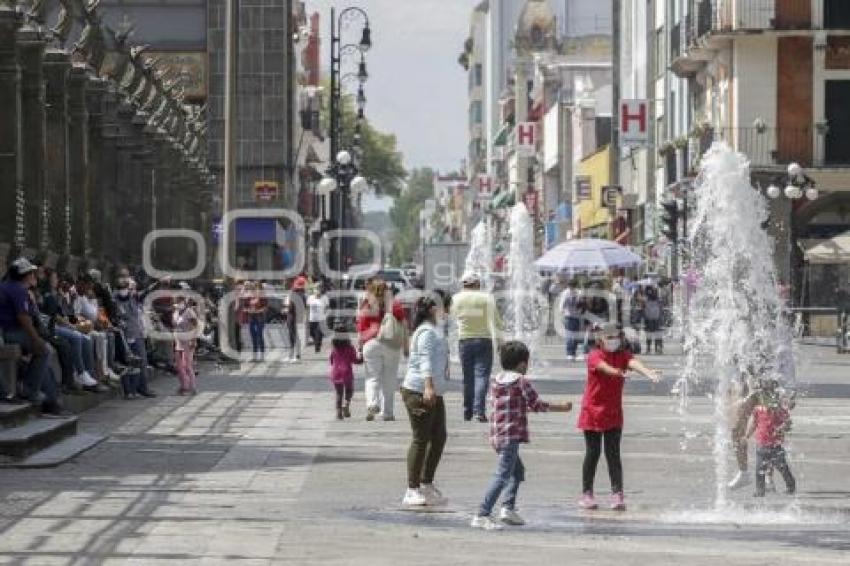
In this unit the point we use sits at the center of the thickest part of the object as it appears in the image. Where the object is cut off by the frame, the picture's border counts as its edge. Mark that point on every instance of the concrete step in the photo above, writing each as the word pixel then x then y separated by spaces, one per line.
pixel 34 435
pixel 58 453
pixel 14 415
pixel 86 400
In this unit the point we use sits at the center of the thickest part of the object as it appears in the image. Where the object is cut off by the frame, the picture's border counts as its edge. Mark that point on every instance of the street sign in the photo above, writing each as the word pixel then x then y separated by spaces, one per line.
pixel 584 188
pixel 266 190
pixel 485 185
pixel 634 122
pixel 526 139
pixel 609 196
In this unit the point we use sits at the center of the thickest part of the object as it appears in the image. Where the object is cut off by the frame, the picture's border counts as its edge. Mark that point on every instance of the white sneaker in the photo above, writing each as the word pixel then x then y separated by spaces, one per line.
pixel 84 379
pixel 571 358
pixel 510 517
pixel 740 480
pixel 432 495
pixel 580 358
pixel 485 523
pixel 112 376
pixel 414 498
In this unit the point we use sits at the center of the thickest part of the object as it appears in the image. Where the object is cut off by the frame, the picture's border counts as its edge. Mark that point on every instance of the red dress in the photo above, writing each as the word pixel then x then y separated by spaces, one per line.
pixel 602 402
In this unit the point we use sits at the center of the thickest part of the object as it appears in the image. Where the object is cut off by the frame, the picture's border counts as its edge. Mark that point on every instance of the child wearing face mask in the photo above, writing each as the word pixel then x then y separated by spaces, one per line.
pixel 601 416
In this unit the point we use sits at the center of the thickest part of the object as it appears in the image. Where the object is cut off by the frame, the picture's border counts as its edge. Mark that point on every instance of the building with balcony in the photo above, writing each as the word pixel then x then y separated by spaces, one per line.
pixel 771 78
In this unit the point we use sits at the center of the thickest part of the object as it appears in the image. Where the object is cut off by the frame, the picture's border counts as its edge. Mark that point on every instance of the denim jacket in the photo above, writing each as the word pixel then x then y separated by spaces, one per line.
pixel 429 356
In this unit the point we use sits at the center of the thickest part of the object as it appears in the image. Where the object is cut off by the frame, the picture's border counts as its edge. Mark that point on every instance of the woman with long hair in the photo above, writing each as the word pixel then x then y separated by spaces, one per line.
pixel 425 381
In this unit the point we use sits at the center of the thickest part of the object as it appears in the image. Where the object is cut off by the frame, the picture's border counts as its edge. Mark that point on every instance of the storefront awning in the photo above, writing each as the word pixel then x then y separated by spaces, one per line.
pixel 835 250
pixel 502 200
pixel 502 137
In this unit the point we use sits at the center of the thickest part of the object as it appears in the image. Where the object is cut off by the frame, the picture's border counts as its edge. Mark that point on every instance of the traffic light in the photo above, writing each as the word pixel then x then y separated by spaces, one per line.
pixel 670 220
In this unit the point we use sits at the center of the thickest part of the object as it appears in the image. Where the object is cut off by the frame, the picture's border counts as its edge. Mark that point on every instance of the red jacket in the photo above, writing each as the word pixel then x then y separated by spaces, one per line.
pixel 602 402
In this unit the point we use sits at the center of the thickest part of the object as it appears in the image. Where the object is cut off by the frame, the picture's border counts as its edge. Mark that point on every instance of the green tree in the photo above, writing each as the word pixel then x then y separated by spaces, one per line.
pixel 405 214
pixel 382 163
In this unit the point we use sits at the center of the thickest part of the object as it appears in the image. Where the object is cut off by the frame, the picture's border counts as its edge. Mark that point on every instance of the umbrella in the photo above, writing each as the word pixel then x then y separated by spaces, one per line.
pixel 587 255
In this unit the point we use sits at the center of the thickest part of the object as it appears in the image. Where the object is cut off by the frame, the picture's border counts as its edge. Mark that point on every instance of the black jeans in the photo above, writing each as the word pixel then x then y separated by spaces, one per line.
pixel 593 444
pixel 429 437
pixel 768 457
pixel 344 390
pixel 316 334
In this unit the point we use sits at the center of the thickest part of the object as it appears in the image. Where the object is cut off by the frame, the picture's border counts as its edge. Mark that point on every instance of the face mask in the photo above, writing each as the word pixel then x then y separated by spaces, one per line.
pixel 611 344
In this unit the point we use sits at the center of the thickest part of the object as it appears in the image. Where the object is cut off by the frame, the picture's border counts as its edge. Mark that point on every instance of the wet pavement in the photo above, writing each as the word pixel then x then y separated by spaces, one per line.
pixel 256 470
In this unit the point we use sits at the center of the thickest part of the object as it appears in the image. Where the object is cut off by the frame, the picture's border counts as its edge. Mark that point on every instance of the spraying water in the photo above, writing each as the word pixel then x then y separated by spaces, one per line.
pixel 736 328
pixel 480 260
pixel 523 310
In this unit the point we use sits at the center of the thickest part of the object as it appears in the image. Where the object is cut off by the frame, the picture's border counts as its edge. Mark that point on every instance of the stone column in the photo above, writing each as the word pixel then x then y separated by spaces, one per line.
pixel 95 190
pixel 11 191
pixel 108 165
pixel 78 159
pixel 57 202
pixel 33 124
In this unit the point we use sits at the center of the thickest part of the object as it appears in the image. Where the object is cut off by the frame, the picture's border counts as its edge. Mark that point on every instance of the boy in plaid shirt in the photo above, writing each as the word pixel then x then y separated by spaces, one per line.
pixel 511 397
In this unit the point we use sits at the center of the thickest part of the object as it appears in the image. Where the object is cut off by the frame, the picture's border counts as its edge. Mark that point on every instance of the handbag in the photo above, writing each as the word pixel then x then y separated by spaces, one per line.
pixel 391 333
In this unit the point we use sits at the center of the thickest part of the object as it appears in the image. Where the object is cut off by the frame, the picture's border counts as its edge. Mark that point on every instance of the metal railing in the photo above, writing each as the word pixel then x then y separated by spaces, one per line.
pixel 723 16
pixel 767 147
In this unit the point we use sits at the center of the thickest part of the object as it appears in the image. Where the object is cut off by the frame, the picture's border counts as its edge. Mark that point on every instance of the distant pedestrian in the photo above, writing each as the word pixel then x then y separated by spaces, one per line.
pixel 601 416
pixel 342 359
pixel 511 396
pixel 652 313
pixel 257 311
pixel 478 325
pixel 185 324
pixel 317 307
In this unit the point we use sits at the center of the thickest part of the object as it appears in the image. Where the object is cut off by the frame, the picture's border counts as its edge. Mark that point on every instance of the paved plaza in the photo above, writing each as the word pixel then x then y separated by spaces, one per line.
pixel 256 470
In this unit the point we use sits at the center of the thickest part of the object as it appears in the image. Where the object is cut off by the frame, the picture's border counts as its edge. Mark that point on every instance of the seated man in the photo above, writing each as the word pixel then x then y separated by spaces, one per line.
pixel 17 311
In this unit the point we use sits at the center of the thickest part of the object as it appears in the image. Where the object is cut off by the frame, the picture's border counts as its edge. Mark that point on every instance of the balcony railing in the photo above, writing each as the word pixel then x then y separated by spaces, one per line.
pixel 775 147
pixel 726 16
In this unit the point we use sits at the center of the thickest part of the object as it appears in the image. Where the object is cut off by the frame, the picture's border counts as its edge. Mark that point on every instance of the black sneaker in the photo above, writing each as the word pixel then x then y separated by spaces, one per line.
pixel 148 394
pixel 482 418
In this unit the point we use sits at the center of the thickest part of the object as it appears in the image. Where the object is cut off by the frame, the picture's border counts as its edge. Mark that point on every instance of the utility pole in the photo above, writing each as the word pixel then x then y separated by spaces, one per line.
pixel 616 33
pixel 231 107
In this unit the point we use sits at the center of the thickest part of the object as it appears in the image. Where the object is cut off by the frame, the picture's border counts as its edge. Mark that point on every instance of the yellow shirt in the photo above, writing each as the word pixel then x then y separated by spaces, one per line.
pixel 476 315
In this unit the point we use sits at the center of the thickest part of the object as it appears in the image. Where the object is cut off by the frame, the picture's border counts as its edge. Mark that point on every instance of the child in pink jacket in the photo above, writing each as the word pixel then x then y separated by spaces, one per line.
pixel 343 357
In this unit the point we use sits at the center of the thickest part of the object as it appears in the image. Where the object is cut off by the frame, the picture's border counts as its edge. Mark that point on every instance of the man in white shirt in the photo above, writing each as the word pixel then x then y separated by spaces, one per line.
pixel 317 306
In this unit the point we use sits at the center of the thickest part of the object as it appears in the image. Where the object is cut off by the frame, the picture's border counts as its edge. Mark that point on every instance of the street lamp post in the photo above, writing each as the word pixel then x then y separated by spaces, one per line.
pixel 343 170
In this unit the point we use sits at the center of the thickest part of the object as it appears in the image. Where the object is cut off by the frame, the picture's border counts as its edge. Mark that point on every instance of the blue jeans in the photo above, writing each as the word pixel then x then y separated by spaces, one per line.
pixel 573 326
pixel 510 472
pixel 38 376
pixel 81 348
pixel 255 325
pixel 476 359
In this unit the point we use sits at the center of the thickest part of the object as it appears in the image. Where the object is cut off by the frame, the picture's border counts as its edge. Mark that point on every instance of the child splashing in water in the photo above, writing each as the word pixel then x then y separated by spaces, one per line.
pixel 771 421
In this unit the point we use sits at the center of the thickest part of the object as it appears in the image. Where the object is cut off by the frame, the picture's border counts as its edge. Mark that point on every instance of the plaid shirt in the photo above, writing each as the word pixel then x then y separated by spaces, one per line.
pixel 511 397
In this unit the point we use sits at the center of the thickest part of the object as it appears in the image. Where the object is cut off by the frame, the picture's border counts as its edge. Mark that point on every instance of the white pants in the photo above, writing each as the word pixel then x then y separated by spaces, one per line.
pixel 381 376
pixel 101 349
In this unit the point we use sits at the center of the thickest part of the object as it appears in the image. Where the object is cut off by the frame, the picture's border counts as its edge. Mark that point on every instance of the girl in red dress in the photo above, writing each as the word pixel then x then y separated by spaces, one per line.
pixel 601 416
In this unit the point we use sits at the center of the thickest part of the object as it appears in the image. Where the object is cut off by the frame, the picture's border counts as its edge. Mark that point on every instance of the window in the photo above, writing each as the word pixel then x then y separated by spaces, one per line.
pixel 475 113
pixel 479 74
pixel 836 14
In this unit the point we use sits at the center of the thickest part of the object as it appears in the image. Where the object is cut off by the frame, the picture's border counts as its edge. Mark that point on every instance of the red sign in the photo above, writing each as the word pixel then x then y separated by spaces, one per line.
pixel 266 190
pixel 485 184
pixel 634 121
pixel 526 138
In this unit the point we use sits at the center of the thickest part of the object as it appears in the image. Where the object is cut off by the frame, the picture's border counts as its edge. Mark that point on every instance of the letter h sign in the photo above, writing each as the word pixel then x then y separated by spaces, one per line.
pixel 634 122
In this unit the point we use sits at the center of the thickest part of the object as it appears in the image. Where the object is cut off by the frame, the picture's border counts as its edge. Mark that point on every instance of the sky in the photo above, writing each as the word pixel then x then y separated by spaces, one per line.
pixel 416 88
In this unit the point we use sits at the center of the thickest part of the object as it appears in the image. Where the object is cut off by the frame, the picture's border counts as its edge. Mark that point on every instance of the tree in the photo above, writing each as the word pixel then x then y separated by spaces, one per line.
pixel 381 162
pixel 405 214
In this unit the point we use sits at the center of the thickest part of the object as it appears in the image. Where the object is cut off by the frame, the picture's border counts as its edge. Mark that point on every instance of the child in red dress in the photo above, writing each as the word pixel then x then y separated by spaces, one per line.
pixel 601 416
